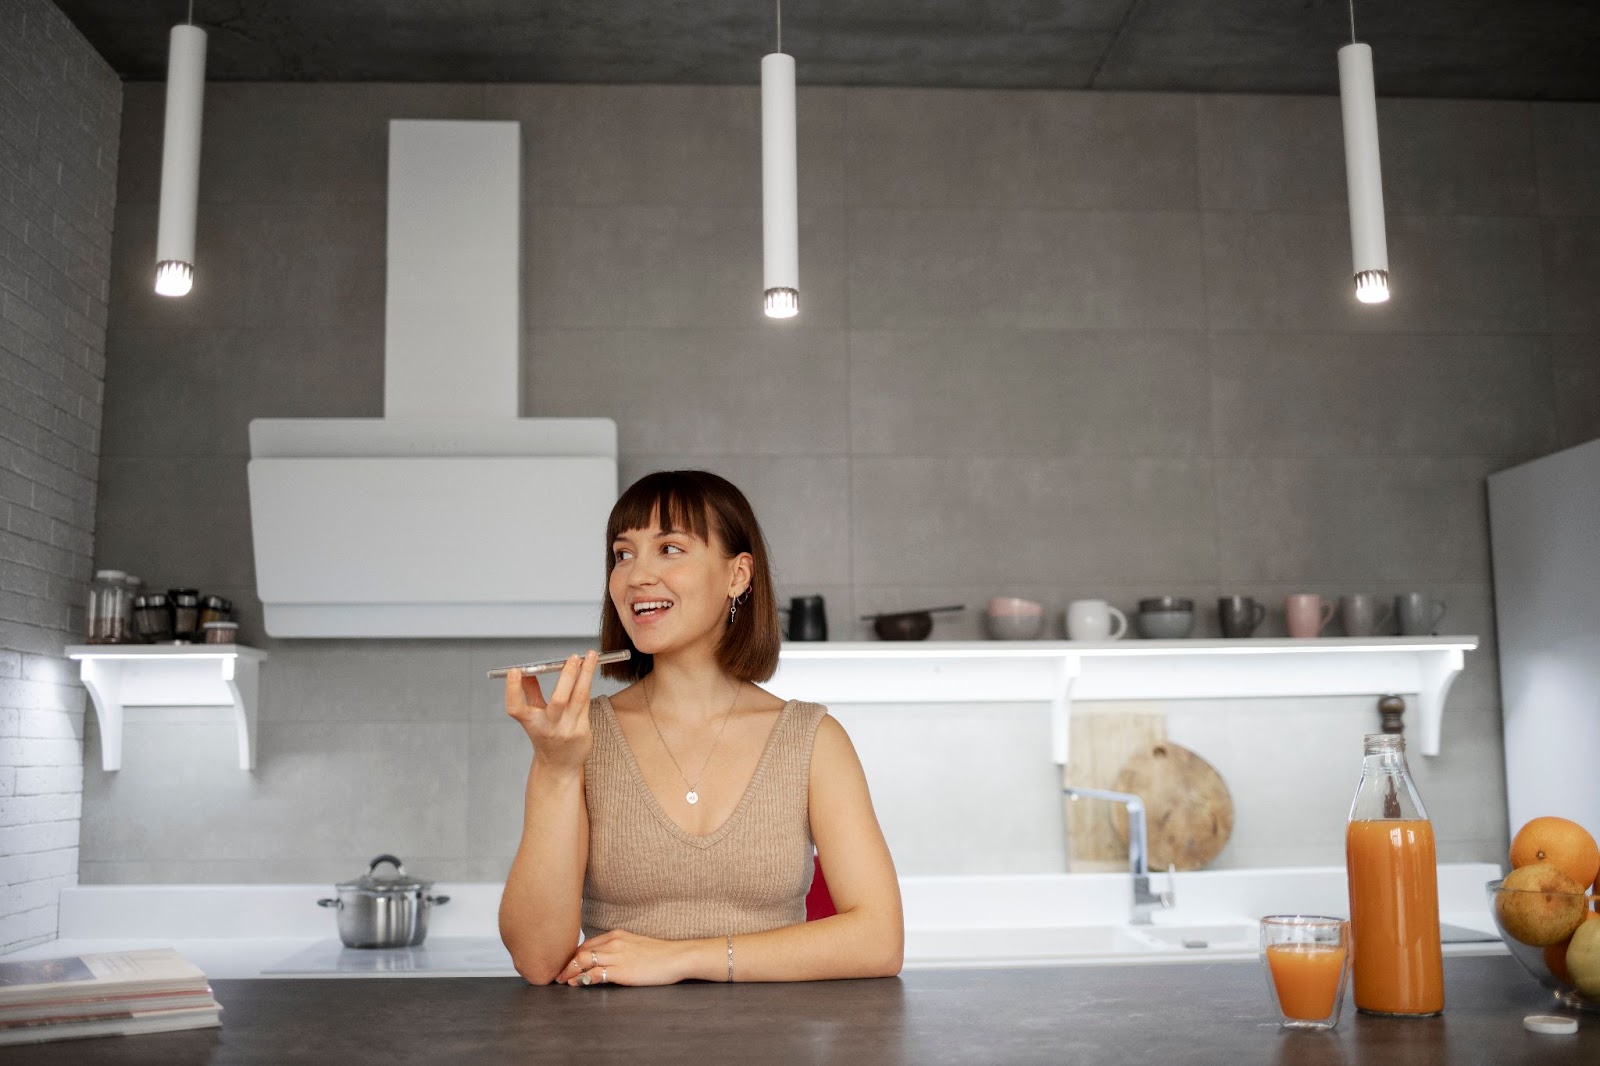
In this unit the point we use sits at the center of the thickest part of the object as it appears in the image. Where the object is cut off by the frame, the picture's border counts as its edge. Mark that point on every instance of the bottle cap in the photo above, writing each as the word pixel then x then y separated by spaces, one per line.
pixel 1553 1024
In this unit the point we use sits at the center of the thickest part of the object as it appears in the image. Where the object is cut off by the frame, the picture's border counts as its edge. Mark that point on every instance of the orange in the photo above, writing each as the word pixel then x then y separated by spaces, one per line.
pixel 1558 842
pixel 1555 957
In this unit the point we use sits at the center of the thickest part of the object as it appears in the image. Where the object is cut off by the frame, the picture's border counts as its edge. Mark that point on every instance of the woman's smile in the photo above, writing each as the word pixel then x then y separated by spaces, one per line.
pixel 650 611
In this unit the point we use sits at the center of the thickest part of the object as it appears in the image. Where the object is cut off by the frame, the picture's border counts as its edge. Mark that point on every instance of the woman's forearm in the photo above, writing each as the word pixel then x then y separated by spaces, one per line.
pixel 857 943
pixel 541 910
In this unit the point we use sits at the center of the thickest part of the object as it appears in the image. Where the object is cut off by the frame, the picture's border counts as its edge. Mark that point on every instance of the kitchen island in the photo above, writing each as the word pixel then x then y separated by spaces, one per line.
pixel 1197 1013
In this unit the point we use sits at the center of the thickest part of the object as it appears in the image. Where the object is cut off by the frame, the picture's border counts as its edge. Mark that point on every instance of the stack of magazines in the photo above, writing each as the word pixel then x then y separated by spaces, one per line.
pixel 110 994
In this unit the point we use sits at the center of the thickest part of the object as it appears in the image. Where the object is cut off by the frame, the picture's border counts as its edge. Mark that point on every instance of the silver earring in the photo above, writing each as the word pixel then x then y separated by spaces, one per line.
pixel 733 609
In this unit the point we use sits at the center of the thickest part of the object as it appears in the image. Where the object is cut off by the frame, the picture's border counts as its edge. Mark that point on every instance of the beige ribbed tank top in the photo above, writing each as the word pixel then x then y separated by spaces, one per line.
pixel 648 876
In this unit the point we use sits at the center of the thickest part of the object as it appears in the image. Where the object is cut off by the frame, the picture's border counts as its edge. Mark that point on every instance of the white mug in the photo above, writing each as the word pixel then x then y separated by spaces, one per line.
pixel 1091 620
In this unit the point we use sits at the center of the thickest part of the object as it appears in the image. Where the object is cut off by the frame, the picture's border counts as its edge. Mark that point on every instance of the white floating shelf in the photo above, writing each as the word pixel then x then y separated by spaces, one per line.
pixel 1057 672
pixel 169 675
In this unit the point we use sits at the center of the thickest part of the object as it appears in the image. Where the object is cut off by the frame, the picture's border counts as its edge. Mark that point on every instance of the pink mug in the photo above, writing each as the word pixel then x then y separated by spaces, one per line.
pixel 1307 614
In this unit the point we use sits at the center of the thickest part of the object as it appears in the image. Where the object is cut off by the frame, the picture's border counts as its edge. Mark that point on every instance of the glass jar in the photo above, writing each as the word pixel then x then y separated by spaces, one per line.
pixel 1394 888
pixel 131 588
pixel 185 614
pixel 152 612
pixel 110 609
pixel 219 632
pixel 215 609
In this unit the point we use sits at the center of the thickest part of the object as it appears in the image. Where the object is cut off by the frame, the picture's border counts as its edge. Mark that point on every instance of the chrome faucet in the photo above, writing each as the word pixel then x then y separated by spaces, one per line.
pixel 1144 901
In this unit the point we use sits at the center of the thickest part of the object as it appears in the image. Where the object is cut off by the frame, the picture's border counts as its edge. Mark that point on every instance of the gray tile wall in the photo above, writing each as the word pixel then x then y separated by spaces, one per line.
pixel 59 113
pixel 1057 345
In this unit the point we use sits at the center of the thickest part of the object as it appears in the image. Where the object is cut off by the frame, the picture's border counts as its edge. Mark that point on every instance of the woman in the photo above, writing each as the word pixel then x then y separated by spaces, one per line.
pixel 674 822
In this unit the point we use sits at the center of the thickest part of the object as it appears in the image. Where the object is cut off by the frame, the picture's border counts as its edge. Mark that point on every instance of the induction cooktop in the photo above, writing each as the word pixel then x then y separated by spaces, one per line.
pixel 476 956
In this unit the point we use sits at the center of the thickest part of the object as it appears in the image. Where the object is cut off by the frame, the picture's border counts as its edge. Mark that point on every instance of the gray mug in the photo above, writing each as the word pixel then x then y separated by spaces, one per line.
pixel 1418 613
pixel 1240 616
pixel 1362 614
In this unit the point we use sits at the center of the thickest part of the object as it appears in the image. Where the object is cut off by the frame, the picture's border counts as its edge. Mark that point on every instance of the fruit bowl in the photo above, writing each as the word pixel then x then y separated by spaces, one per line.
pixel 1537 959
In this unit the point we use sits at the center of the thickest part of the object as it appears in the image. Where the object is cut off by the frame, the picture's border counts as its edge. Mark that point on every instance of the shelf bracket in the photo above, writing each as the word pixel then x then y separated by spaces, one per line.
pixel 119 677
pixel 103 679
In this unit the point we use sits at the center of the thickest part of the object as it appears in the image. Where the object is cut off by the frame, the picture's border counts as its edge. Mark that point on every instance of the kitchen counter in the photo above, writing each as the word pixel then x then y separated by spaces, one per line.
pixel 1217 1012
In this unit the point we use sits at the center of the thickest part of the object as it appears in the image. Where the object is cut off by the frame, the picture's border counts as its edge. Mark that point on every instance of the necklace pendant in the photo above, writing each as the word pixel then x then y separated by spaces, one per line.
pixel 692 796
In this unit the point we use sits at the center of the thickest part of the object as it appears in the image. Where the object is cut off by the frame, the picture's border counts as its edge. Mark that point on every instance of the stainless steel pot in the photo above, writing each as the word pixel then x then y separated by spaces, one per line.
pixel 383 911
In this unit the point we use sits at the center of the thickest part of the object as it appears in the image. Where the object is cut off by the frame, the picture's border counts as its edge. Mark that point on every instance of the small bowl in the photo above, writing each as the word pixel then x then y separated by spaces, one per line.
pixel 1158 604
pixel 1533 958
pixel 1165 625
pixel 1015 626
pixel 907 625
pixel 1015 607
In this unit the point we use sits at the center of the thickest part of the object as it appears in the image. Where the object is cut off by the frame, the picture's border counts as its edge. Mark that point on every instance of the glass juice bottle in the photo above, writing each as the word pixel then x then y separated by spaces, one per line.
pixel 1394 889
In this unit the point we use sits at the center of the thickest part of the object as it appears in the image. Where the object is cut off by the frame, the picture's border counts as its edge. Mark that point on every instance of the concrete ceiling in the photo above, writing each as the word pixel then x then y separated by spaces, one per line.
pixel 1490 49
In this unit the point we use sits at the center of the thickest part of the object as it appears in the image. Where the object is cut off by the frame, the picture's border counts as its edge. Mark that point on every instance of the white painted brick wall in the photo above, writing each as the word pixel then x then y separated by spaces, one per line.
pixel 60 119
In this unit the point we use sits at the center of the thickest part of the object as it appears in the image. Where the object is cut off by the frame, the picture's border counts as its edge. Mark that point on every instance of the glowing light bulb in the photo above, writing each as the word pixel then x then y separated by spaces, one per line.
pixel 1372 286
pixel 174 278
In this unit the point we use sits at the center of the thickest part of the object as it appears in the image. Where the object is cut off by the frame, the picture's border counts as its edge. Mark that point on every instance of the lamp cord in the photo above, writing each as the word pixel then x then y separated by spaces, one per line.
pixel 1352 21
pixel 780 22
pixel 191 12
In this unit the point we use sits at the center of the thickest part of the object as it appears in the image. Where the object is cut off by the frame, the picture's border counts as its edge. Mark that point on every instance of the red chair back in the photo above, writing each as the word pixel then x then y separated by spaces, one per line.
pixel 819 904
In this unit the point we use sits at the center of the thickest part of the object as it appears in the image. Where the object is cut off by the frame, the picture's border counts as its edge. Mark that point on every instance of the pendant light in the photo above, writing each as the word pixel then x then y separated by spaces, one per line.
pixel 780 211
pixel 1363 175
pixel 180 158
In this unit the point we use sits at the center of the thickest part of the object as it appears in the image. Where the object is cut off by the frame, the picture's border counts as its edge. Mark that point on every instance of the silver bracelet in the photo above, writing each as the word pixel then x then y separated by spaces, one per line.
pixel 730 958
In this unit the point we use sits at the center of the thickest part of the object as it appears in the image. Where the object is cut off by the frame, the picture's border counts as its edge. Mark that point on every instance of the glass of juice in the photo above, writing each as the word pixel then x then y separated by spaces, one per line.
pixel 1307 959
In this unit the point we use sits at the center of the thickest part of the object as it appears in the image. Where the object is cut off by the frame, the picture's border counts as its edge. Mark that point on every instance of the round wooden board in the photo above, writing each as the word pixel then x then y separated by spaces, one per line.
pixel 1188 811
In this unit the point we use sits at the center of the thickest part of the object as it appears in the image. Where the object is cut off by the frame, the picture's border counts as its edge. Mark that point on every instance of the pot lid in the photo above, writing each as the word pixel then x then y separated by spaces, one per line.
pixel 375 880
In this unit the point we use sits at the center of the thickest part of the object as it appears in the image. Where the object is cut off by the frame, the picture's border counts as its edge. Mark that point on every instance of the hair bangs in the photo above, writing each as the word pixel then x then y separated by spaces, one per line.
pixel 673 503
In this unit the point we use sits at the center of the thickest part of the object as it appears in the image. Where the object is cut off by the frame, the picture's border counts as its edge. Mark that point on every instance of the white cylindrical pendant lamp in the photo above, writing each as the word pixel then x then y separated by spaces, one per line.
pixel 180 160
pixel 1363 175
pixel 780 207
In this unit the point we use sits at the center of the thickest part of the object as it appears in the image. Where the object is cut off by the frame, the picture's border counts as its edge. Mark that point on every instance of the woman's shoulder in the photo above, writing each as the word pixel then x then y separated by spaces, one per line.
pixel 806 718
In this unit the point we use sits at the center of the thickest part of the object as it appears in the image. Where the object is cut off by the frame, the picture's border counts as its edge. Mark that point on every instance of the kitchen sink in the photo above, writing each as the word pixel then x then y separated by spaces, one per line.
pixel 1228 937
pixel 1059 944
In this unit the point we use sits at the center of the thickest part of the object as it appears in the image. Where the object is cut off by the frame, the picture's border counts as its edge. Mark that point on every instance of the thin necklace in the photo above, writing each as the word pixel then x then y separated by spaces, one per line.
pixel 692 796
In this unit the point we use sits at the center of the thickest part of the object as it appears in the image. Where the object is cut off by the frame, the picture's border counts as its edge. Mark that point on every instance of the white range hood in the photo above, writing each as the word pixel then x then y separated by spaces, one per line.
pixel 450 516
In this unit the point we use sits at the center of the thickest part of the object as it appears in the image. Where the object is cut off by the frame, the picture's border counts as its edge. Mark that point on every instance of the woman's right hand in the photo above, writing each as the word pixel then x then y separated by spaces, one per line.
pixel 559 727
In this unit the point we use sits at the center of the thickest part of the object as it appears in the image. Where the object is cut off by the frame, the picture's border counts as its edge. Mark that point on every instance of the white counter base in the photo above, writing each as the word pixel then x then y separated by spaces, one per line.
pixel 266 931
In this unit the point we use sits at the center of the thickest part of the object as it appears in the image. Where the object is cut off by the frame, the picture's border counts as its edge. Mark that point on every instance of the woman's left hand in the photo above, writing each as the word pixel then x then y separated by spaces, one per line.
pixel 623 958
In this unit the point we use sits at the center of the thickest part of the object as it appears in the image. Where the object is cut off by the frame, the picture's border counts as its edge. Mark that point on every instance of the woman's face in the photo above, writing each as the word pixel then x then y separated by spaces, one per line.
pixel 672 589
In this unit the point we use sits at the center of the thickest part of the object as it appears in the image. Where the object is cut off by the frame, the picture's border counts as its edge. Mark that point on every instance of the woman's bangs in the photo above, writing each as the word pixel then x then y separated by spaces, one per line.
pixel 676 503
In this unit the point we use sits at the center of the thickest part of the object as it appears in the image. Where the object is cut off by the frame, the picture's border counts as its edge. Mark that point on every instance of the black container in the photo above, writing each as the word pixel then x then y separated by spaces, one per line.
pixel 808 618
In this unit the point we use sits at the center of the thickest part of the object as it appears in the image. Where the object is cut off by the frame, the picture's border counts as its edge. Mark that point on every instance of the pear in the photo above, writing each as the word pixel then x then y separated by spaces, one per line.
pixel 1539 905
pixel 1583 959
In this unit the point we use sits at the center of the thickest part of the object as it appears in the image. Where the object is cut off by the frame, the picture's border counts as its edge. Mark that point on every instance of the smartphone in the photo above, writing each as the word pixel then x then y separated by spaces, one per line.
pixel 555 665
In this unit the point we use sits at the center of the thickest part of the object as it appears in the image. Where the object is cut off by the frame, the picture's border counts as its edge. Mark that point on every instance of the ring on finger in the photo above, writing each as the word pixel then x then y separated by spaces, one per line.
pixel 583 978
pixel 604 977
pixel 594 960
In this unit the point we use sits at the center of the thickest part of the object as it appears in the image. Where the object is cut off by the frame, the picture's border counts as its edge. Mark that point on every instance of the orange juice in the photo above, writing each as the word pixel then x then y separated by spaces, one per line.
pixel 1394 917
pixel 1306 977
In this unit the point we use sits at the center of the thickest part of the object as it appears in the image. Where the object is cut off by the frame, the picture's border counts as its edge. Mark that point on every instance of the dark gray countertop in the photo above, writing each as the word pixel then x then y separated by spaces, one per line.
pixel 1188 1013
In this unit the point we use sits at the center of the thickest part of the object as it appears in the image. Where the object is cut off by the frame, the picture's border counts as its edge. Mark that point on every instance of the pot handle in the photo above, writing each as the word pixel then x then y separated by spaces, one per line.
pixel 399 867
pixel 336 904
pixel 438 899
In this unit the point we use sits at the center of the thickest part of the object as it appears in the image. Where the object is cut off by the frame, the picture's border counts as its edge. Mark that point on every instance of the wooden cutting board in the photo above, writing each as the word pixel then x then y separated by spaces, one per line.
pixel 1103 737
pixel 1188 811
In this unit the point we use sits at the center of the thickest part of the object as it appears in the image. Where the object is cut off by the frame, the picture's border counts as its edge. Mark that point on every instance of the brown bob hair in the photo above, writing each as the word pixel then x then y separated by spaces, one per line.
pixel 702 503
